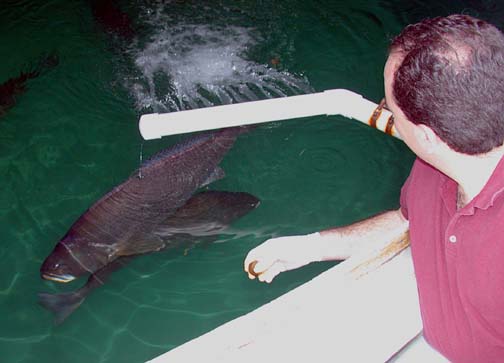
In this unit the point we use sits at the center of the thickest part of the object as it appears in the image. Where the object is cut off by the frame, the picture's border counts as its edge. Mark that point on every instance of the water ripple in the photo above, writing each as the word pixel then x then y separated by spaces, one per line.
pixel 322 160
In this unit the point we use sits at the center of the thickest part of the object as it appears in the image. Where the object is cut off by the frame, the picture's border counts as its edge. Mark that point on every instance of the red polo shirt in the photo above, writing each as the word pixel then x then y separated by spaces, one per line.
pixel 458 257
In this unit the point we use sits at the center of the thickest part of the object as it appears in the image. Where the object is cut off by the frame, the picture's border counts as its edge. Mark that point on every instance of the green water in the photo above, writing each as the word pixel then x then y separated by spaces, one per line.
pixel 73 135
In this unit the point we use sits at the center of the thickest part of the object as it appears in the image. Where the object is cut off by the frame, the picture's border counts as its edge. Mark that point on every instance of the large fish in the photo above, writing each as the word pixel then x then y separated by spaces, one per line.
pixel 15 86
pixel 118 224
pixel 201 219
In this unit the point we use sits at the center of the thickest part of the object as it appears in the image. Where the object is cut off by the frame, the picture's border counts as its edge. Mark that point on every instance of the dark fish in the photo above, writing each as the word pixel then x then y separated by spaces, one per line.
pixel 13 87
pixel 112 18
pixel 118 223
pixel 202 218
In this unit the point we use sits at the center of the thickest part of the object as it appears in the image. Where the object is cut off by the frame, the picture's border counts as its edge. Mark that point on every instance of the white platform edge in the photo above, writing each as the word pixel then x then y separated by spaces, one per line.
pixel 334 317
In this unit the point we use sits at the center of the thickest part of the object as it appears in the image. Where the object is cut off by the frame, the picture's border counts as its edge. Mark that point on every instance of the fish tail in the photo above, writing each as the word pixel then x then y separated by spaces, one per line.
pixel 62 305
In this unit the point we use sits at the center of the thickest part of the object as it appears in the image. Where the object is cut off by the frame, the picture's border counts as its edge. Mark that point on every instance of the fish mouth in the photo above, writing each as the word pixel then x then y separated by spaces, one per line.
pixel 58 278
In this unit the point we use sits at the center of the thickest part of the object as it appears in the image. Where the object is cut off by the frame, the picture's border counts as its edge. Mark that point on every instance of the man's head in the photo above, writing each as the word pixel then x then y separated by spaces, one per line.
pixel 447 73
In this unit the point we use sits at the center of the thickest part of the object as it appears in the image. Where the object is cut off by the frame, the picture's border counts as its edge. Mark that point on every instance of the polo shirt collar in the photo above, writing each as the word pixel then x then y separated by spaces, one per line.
pixel 493 189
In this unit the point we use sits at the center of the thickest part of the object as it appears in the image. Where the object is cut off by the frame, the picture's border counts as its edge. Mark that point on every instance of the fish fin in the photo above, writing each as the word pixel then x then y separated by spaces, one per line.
pixel 190 242
pixel 62 305
pixel 216 174
pixel 142 244
pixel 206 241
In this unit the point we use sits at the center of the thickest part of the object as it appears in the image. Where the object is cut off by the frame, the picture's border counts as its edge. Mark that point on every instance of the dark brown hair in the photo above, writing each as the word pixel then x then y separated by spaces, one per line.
pixel 452 80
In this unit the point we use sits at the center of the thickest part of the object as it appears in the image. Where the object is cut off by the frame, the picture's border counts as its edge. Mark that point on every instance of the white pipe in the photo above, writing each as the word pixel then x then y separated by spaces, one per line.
pixel 331 102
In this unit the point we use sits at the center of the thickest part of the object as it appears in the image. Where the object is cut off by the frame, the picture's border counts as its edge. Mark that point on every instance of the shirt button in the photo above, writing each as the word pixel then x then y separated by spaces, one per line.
pixel 453 238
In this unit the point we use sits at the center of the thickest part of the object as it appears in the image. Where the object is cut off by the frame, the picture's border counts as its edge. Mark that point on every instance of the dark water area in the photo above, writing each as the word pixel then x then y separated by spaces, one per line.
pixel 72 135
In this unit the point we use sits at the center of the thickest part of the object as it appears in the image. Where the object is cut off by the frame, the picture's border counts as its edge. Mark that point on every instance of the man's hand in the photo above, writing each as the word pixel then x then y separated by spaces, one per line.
pixel 281 254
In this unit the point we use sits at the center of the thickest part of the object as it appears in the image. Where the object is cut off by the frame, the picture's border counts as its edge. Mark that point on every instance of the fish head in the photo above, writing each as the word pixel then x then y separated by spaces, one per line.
pixel 234 205
pixel 251 201
pixel 66 263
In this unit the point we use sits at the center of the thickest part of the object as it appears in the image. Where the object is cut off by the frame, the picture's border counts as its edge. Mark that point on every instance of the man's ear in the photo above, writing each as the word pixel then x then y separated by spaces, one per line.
pixel 429 140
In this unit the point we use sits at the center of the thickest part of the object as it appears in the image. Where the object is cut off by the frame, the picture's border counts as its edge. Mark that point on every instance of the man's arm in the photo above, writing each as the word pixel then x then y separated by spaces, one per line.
pixel 281 254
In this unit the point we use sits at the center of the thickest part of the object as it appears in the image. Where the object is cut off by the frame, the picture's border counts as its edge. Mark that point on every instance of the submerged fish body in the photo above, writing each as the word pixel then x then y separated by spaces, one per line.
pixel 207 213
pixel 202 218
pixel 116 225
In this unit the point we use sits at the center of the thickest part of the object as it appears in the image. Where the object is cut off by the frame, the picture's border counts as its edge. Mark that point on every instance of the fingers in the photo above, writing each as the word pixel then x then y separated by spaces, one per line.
pixel 272 272
pixel 263 271
pixel 256 268
pixel 247 262
pixel 251 269
pixel 252 266
pixel 262 262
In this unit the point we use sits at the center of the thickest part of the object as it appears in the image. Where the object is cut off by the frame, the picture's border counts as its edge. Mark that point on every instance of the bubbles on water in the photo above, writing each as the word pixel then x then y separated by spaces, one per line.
pixel 187 66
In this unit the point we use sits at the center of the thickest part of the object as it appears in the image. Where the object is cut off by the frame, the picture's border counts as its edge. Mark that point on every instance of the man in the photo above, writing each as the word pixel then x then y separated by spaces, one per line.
pixel 444 83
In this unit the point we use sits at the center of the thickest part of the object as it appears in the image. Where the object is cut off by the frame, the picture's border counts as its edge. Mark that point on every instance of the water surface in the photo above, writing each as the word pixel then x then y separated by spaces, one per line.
pixel 73 136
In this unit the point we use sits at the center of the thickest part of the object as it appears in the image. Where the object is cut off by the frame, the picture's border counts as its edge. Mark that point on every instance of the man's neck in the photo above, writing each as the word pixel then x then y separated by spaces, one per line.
pixel 471 172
